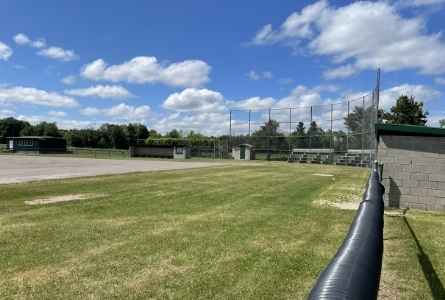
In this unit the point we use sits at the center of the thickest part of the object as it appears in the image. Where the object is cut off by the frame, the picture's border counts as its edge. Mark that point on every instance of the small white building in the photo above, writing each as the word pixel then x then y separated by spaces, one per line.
pixel 243 152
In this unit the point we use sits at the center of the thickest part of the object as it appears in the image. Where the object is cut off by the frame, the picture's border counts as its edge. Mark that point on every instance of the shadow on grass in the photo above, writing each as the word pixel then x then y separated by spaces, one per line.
pixel 437 289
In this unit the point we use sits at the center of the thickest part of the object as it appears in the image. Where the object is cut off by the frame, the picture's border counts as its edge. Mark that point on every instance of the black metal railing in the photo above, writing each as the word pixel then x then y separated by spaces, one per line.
pixel 354 272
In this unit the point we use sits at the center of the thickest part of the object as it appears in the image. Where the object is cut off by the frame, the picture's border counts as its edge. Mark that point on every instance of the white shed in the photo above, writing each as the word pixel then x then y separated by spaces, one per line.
pixel 243 152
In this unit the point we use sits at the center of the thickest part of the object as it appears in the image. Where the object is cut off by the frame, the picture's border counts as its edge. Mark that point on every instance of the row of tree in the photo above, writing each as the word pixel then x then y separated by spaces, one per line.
pixel 106 136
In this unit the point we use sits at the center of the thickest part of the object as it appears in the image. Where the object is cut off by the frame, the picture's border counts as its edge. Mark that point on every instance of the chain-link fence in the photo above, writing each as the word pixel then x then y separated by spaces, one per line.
pixel 334 132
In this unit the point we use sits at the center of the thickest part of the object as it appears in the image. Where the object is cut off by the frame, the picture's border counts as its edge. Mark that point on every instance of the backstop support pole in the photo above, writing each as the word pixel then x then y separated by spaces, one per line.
pixel 348 132
pixel 332 127
pixel 230 132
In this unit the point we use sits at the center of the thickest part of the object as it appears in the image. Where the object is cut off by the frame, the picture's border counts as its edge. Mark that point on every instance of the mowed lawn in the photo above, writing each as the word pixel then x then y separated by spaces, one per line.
pixel 254 231
pixel 414 264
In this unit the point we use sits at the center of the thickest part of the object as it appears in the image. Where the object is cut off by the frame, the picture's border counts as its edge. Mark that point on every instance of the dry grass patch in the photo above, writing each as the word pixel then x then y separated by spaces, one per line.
pixel 155 272
pixel 64 198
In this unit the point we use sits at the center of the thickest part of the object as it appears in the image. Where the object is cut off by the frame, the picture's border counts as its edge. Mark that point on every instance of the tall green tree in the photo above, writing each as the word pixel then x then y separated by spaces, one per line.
pixel 442 123
pixel 298 137
pixel 131 135
pixel 270 128
pixel 11 127
pixel 315 135
pixel 174 134
pixel 154 134
pixel 45 129
pixel 268 137
pixel 116 134
pixel 407 111
pixel 141 131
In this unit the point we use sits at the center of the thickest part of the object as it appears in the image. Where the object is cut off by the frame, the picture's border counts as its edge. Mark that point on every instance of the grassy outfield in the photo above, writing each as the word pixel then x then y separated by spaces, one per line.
pixel 414 265
pixel 237 232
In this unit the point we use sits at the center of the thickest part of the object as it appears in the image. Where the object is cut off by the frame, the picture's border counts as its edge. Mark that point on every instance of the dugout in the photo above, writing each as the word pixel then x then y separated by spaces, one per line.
pixel 414 165
pixel 40 144
pixel 160 151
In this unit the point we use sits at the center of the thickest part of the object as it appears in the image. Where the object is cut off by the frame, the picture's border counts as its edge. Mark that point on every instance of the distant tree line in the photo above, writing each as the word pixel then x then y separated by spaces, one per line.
pixel 106 136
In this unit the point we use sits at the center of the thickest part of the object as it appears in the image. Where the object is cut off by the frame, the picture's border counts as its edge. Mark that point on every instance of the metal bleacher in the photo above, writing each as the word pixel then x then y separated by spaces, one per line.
pixel 313 156
pixel 354 157
pixel 358 158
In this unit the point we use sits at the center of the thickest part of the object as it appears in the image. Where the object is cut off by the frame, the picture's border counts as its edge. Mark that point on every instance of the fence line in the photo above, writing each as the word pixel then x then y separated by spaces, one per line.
pixel 341 126
pixel 354 272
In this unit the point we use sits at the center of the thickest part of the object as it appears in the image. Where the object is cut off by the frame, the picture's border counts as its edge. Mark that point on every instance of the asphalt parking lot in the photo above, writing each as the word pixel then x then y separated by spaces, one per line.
pixel 21 168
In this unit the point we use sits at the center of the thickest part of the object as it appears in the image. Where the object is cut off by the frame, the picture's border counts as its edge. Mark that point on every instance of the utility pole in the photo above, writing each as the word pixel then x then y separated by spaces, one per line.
pixel 230 132
pixel 249 122
pixel 377 91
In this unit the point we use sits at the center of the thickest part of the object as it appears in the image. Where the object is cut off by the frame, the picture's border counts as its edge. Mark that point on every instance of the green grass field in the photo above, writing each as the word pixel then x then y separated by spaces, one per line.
pixel 254 231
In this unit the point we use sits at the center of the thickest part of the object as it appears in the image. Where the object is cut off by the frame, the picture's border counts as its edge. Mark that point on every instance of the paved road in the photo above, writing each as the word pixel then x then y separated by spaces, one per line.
pixel 21 168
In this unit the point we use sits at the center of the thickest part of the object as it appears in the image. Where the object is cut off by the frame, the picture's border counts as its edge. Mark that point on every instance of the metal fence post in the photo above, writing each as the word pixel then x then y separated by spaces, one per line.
pixel 332 127
pixel 289 139
pixel 310 137
pixel 348 130
pixel 249 123
pixel 268 138
pixel 363 123
pixel 230 132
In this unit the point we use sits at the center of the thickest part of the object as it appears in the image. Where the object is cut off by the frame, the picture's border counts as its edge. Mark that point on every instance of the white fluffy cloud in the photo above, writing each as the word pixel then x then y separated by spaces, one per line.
pixel 22 39
pixel 69 80
pixel 207 123
pixel 57 114
pixel 121 112
pixel 5 51
pixel 254 103
pixel 253 75
pixel 101 91
pixel 191 99
pixel 300 96
pixel 422 93
pixel 58 53
pixel 359 36
pixel 297 26
pixel 207 111
pixel 340 72
pixel 51 52
pixel 146 69
pixel 27 95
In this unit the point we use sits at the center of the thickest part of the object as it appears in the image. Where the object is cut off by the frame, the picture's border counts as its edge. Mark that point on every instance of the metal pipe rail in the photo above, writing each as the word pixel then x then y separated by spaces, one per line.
pixel 354 272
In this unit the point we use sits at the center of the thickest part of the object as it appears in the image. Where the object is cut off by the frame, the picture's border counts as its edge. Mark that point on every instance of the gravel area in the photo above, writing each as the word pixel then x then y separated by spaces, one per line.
pixel 22 168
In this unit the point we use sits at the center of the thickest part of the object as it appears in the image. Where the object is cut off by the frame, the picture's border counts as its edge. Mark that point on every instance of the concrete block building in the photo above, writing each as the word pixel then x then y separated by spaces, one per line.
pixel 414 166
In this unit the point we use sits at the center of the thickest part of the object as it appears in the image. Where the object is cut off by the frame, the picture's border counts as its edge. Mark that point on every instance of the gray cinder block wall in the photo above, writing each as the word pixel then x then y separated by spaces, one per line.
pixel 414 170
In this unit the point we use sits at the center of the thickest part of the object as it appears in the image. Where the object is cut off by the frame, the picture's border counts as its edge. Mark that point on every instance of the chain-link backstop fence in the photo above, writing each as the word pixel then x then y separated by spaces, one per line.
pixel 333 132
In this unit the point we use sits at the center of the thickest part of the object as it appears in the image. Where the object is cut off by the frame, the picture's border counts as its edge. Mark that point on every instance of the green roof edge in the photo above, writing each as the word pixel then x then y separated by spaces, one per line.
pixel 413 130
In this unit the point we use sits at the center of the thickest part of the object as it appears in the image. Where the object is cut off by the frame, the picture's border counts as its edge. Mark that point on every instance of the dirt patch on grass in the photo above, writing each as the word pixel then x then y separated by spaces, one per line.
pixel 323 175
pixel 44 274
pixel 63 198
pixel 345 205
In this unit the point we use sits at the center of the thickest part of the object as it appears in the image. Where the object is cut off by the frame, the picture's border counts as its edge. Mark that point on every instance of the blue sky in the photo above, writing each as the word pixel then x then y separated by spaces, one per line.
pixel 183 64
